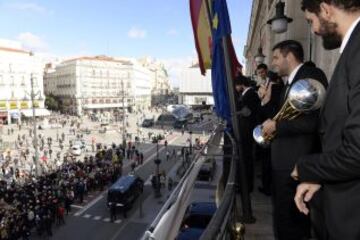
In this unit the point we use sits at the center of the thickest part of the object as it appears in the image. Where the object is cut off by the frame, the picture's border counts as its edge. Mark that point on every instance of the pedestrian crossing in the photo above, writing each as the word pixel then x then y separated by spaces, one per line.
pixel 97 218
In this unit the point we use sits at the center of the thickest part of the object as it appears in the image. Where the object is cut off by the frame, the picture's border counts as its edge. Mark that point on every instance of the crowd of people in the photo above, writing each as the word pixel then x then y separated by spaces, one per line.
pixel 43 201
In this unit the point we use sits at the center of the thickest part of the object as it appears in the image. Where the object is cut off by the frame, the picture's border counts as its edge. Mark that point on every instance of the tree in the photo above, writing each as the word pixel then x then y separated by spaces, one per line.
pixel 52 102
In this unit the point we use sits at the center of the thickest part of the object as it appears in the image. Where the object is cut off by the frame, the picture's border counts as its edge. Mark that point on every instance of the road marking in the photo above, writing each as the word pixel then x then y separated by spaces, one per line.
pixel 106 219
pixel 92 203
pixel 87 216
pixel 76 206
pixel 118 221
pixel 97 218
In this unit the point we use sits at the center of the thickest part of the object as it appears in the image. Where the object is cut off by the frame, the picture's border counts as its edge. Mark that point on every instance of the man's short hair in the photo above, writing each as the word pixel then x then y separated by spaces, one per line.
pixel 314 5
pixel 262 66
pixel 291 46
pixel 242 80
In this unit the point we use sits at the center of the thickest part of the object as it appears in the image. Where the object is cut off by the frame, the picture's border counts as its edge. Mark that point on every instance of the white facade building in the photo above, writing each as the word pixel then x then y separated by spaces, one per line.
pixel 160 82
pixel 195 89
pixel 98 84
pixel 16 68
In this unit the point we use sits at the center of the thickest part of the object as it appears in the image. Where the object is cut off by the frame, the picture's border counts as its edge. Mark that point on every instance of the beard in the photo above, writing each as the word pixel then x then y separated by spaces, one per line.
pixel 331 38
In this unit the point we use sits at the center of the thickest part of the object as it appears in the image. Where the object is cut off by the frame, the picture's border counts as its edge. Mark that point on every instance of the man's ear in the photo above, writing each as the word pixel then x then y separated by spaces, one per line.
pixel 326 11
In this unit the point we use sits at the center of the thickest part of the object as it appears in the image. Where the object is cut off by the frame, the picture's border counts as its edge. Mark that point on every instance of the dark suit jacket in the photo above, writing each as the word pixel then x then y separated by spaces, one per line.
pixel 297 137
pixel 248 111
pixel 338 167
pixel 269 110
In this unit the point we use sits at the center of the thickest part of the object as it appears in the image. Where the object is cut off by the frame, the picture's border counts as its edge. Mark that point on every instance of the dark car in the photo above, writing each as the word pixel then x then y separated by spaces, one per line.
pixel 199 214
pixel 125 191
pixel 179 124
pixel 196 219
pixel 207 170
pixel 148 123
pixel 190 234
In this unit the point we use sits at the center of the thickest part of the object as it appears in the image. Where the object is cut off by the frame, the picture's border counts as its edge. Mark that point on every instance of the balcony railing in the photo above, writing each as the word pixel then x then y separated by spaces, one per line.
pixel 224 224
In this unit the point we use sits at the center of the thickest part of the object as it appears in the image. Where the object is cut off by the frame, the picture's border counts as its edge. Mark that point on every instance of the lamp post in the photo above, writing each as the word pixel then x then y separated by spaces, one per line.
pixel 190 142
pixel 279 23
pixel 35 142
pixel 157 162
pixel 123 113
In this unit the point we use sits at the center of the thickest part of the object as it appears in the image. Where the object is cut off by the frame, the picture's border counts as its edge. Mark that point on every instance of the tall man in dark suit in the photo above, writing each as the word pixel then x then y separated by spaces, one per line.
pixel 293 138
pixel 335 173
pixel 248 110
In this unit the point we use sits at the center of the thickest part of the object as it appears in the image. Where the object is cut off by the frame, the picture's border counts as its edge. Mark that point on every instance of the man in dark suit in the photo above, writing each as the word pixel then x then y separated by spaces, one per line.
pixel 293 138
pixel 335 173
pixel 247 108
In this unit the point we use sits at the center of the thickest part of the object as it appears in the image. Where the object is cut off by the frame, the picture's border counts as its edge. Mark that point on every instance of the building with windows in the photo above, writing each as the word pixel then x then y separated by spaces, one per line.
pixel 88 85
pixel 160 82
pixel 17 66
pixel 195 89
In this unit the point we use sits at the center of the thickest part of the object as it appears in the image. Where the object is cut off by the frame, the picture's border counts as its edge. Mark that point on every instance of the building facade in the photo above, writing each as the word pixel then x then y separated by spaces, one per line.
pixel 99 84
pixel 160 82
pixel 17 67
pixel 260 35
pixel 195 89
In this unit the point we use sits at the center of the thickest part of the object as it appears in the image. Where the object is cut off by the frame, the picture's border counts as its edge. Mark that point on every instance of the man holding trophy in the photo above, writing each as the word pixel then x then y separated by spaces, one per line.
pixel 293 133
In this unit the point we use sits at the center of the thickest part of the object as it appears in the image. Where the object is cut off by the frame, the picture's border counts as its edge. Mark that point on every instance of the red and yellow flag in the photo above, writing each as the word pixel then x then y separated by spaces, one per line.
pixel 199 10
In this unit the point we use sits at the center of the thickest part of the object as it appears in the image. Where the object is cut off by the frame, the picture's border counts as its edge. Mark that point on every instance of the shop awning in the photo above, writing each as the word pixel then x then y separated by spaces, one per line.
pixel 39 112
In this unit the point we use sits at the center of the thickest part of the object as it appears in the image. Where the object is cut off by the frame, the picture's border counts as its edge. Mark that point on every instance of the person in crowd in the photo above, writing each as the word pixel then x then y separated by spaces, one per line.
pixel 293 138
pixel 333 175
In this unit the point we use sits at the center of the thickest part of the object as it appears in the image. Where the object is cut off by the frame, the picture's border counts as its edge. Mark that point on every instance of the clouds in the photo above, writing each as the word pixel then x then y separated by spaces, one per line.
pixel 174 66
pixel 137 33
pixel 28 7
pixel 32 42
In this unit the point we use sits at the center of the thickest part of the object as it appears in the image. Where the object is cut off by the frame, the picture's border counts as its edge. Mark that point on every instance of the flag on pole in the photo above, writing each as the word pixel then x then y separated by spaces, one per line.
pixel 201 22
pixel 222 30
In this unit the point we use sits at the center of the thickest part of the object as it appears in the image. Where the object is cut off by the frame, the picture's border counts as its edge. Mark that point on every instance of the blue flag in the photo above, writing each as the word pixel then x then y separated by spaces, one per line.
pixel 221 28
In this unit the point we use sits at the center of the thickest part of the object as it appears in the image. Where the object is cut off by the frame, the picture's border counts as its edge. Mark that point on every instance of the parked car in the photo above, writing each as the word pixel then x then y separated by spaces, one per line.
pixel 76 150
pixel 80 143
pixel 199 214
pixel 197 217
pixel 207 170
pixel 190 234
pixel 148 122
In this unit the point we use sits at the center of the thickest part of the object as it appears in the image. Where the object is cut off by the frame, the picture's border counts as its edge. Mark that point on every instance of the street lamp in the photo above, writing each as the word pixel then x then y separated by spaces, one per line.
pixel 35 142
pixel 279 23
pixel 190 143
pixel 260 57
pixel 123 113
pixel 157 162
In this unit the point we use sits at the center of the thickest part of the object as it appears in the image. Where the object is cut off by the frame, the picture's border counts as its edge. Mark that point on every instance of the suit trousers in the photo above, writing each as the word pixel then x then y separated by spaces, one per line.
pixel 289 223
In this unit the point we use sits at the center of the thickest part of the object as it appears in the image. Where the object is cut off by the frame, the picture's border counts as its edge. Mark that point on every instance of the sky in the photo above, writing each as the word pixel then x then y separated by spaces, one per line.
pixel 160 29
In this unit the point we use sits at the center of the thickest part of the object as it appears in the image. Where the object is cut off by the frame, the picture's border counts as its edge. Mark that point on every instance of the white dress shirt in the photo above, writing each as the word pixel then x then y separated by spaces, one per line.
pixel 348 35
pixel 293 74
pixel 245 90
